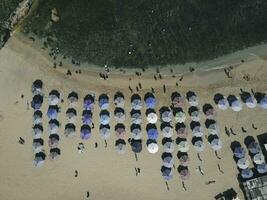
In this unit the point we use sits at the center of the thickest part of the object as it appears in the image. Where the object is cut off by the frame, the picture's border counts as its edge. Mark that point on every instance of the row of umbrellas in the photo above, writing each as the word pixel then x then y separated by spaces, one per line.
pixel 53 124
pixel 250 99
pixel 38 143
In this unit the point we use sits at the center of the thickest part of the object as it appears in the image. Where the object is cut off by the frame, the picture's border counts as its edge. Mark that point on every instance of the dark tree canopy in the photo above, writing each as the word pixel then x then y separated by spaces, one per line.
pixel 149 32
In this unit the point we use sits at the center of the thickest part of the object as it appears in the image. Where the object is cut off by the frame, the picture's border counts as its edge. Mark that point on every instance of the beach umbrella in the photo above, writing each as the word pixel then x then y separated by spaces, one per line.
pixel 119 114
pixel 165 114
pixel 179 115
pixel 104 117
pixel 221 101
pixel 168 160
pixel 37 117
pixel 151 116
pixel 262 168
pixel 87 117
pixel 37 86
pixel 85 132
pixel 243 163
pixel 38 145
pixel 167 129
pixel 136 145
pixel 37 101
pixel 152 146
pixel 52 112
pixel 103 101
pixel 136 102
pixel 53 126
pixel 199 145
pixel 150 100
pixel 69 130
pixel 258 158
pixel 248 99
pixel 198 131
pixel 104 131
pixel 209 111
pixel 53 97
pixel 194 113
pixel 71 114
pixel 246 173
pixel 234 103
pixel 184 174
pixel 254 148
pixel 88 102
pixel 136 131
pixel 38 160
pixel 120 130
pixel 184 160
pixel 183 146
pixel 119 99
pixel 168 147
pixel 53 140
pixel 37 131
pixel 240 152
pixel 177 100
pixel 166 173
pixel 263 103
pixel 54 153
pixel 136 117
pixel 73 98
pixel 213 129
pixel 216 144
pixel 152 132
pixel 120 146
pixel 192 98
pixel 181 130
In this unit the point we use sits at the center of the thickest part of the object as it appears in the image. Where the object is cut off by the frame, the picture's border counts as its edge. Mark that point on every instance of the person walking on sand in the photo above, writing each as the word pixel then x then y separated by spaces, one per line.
pixel 227 131
pixel 220 170
pixel 87 194
pixel 164 88
pixel 76 173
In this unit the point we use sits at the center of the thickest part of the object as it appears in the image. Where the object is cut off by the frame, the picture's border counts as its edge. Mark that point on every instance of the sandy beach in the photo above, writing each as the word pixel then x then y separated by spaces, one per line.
pixel 102 171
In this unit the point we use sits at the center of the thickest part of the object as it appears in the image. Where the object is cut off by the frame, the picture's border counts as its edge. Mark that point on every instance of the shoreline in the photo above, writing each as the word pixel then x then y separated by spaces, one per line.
pixel 219 63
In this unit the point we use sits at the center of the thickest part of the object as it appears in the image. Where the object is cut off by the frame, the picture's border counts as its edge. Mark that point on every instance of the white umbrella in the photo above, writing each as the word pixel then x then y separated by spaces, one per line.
pixel 198 131
pixel 152 148
pixel 37 147
pixel 136 104
pixel 193 100
pixel 183 146
pixel 136 118
pixel 136 134
pixel 167 131
pixel 120 148
pixel 119 101
pixel 251 102
pixel 243 163
pixel 105 133
pixel 213 129
pixel 236 106
pixel 119 117
pixel 152 118
pixel 199 145
pixel 168 147
pixel 223 104
pixel 258 159
pixel 166 116
pixel 168 162
pixel 53 100
pixel 53 128
pixel 38 162
pixel 216 144
pixel 180 117
pixel 195 116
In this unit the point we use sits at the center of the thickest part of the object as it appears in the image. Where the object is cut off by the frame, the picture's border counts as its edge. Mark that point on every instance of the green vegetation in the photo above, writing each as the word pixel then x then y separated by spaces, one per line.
pixel 149 32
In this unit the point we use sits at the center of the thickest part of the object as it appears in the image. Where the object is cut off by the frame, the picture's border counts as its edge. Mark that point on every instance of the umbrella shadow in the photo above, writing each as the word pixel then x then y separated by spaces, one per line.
pixel 217 97
pixel 248 140
pixel 206 107
pixel 165 140
pixel 209 122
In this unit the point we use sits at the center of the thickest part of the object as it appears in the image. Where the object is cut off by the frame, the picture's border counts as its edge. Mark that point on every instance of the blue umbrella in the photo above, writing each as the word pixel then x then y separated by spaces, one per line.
pixel 254 147
pixel 246 173
pixel 262 168
pixel 85 132
pixel 150 102
pixel 87 117
pixel 263 102
pixel 52 112
pixel 37 101
pixel 104 117
pixel 166 173
pixel 88 102
pixel 103 101
pixel 152 134
pixel 239 152
pixel 136 146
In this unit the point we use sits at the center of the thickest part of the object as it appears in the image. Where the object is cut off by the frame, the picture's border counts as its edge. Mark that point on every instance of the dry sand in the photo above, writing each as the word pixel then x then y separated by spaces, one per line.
pixel 102 171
